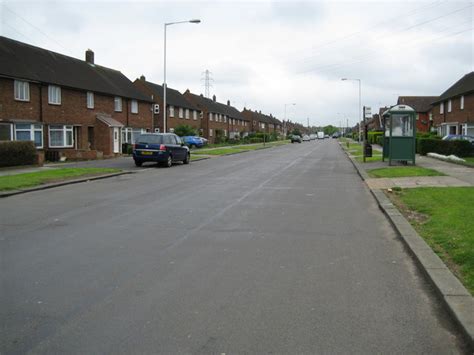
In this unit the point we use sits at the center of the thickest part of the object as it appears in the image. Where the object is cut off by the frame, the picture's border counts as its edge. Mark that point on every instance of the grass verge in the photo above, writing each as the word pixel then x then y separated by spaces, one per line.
pixel 444 217
pixel 404 171
pixel 237 148
pixel 19 181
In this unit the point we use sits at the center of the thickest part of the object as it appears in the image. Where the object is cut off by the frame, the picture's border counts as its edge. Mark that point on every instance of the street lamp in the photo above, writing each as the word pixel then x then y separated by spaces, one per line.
pixel 164 68
pixel 360 109
pixel 284 128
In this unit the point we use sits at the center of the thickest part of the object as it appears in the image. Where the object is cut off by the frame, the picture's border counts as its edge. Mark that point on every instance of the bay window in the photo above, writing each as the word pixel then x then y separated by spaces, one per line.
pixel 61 136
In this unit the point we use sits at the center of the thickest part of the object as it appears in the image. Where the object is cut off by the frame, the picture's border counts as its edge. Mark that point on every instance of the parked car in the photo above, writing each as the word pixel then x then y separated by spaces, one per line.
pixel 335 135
pixel 193 141
pixel 326 136
pixel 295 139
pixel 306 138
pixel 312 136
pixel 204 140
pixel 162 148
pixel 320 135
pixel 452 137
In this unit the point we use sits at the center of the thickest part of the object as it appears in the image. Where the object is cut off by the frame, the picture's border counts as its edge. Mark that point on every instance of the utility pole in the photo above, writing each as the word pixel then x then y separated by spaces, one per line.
pixel 207 83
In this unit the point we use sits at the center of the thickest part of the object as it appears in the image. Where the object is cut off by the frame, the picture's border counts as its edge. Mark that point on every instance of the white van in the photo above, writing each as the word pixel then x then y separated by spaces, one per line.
pixel 320 135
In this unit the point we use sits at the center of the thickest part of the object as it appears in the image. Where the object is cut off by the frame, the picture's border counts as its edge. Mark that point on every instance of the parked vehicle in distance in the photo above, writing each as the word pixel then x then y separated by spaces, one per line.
pixel 312 136
pixel 336 135
pixel 452 137
pixel 320 135
pixel 193 141
pixel 162 148
pixel 295 139
pixel 204 140
pixel 326 136
pixel 306 138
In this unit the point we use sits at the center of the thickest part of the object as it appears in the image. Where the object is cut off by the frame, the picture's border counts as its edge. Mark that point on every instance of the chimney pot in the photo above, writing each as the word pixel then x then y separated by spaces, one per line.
pixel 214 98
pixel 142 77
pixel 228 102
pixel 90 56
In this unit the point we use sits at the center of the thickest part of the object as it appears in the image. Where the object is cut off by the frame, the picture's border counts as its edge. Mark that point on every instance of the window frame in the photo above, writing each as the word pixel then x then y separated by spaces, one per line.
pixel 33 128
pixel 210 132
pixel 450 105
pixel 90 104
pixel 134 107
pixel 118 104
pixel 461 102
pixel 21 87
pixel 194 115
pixel 186 113
pixel 54 90
pixel 441 108
pixel 65 130
pixel 180 112
pixel 171 112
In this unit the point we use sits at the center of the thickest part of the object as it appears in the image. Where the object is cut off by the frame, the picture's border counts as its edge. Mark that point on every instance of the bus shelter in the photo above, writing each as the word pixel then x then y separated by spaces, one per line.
pixel 399 143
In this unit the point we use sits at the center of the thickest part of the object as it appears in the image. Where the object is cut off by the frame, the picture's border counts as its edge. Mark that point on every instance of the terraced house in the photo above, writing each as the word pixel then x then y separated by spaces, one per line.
pixel 238 125
pixel 73 107
pixel 422 106
pixel 180 111
pixel 453 111
pixel 263 123
pixel 214 121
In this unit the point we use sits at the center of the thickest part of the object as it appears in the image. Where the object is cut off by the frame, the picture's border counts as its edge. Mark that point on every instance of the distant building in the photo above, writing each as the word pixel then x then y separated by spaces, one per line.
pixel 422 105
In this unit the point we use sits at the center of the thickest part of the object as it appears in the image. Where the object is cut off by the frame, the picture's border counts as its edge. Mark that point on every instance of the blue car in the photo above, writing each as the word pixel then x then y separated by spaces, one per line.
pixel 193 141
pixel 161 148
pixel 452 137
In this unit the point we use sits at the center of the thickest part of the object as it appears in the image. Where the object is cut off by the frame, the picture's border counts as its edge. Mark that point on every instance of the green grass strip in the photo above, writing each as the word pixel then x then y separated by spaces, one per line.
pixel 405 171
pixel 19 181
pixel 448 226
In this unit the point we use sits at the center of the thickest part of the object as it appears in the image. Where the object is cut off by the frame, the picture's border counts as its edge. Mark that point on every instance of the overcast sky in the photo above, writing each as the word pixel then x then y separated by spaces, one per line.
pixel 263 54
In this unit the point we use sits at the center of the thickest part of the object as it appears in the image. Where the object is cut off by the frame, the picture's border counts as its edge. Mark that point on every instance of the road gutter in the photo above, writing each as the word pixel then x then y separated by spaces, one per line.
pixel 452 293
pixel 62 183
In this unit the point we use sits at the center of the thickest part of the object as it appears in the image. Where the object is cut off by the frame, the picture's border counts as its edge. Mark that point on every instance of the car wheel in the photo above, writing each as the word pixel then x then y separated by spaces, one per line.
pixel 186 160
pixel 169 161
pixel 138 163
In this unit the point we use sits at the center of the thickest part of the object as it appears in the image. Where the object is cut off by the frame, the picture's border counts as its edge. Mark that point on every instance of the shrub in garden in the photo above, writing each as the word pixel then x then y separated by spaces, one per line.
pixel 372 136
pixel 460 148
pixel 14 153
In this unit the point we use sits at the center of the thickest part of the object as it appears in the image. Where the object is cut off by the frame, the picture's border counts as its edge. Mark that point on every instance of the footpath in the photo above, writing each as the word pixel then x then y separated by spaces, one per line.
pixel 451 292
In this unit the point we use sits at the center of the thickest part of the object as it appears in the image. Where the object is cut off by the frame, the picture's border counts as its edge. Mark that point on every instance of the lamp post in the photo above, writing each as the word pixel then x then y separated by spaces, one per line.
pixel 360 109
pixel 164 68
pixel 284 129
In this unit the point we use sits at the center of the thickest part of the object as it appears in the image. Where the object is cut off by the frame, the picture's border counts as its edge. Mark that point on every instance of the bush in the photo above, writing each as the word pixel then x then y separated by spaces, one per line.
pixel 184 130
pixel 14 153
pixel 379 140
pixel 460 148
pixel 372 136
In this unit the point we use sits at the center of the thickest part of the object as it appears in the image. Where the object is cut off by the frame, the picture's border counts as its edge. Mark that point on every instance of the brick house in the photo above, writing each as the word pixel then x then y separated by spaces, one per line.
pixel 260 122
pixel 238 125
pixel 422 106
pixel 214 122
pixel 453 111
pixel 75 107
pixel 180 111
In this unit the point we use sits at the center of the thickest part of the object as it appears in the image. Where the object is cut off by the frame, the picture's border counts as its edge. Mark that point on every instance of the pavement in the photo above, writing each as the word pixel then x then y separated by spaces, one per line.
pixel 280 250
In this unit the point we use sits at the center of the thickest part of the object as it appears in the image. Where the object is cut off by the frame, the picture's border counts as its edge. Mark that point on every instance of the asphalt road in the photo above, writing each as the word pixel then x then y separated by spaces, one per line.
pixel 281 250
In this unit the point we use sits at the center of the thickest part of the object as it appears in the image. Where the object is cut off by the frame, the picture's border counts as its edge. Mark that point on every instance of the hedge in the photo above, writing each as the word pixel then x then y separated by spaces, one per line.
pixel 372 136
pixel 14 153
pixel 379 140
pixel 460 148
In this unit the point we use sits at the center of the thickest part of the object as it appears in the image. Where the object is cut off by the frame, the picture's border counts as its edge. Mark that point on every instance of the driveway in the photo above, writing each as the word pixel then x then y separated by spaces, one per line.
pixel 275 251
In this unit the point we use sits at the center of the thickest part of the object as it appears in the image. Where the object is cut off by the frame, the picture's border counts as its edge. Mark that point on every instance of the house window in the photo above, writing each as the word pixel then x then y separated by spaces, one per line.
pixel 210 132
pixel 462 103
pixel 134 106
pixel 30 132
pixel 194 115
pixel 54 95
pixel 90 99
pixel 180 112
pixel 441 108
pixel 186 114
pixel 61 136
pixel 6 132
pixel 449 105
pixel 210 116
pixel 201 115
pixel 22 90
pixel 130 135
pixel 171 111
pixel 118 104
pixel 225 133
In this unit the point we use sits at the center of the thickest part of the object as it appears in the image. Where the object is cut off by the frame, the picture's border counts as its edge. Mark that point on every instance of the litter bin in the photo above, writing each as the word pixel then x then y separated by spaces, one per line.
pixel 368 150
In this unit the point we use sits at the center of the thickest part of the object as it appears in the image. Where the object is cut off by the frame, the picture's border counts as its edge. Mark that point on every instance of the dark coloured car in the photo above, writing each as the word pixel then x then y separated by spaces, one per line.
pixel 193 141
pixel 295 139
pixel 162 148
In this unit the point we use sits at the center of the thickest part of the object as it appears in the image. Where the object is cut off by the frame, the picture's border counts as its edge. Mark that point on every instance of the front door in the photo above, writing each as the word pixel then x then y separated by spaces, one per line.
pixel 116 140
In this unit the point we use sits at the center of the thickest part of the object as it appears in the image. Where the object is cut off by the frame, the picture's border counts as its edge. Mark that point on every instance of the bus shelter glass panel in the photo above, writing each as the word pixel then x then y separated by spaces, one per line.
pixel 402 126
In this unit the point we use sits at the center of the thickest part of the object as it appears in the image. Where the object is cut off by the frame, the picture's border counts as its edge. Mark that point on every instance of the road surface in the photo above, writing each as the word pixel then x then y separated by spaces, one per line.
pixel 281 250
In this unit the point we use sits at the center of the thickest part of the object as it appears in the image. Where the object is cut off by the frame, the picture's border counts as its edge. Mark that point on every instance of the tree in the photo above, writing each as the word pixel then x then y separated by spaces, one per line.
pixel 296 132
pixel 185 130
pixel 330 130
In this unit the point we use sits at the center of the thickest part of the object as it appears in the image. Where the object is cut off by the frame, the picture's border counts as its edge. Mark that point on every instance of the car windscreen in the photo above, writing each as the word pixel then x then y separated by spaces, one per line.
pixel 150 139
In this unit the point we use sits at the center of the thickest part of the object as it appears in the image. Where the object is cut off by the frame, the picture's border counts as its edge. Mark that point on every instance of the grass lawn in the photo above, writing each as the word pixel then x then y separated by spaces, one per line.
pixel 19 181
pixel 197 157
pixel 403 172
pixel 469 160
pixel 444 217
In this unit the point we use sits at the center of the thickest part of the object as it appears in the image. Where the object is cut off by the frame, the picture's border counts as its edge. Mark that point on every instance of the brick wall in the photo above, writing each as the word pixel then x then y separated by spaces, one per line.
pixel 456 115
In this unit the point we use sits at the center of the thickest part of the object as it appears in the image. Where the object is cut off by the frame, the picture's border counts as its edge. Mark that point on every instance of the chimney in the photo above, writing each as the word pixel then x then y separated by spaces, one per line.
pixel 142 77
pixel 228 102
pixel 90 56
pixel 214 98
